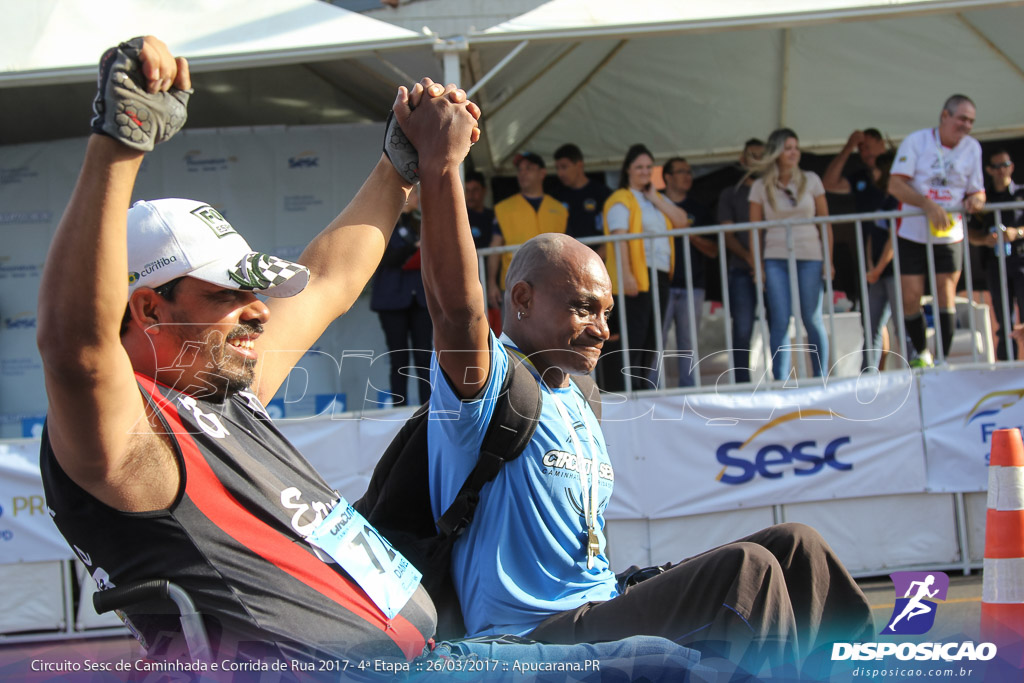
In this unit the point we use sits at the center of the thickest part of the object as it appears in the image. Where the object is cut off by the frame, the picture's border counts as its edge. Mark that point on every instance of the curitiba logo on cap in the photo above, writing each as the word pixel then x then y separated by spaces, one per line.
pixel 214 220
pixel 133 277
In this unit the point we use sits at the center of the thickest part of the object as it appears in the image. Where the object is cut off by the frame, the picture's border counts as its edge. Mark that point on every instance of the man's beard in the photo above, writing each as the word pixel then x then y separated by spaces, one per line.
pixel 218 372
pixel 237 373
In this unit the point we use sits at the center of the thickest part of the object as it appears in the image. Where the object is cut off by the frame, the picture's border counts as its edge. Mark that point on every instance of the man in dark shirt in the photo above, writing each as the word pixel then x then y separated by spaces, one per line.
pixel 984 232
pixel 584 198
pixel 734 207
pixel 678 177
pixel 869 196
pixel 860 182
pixel 481 218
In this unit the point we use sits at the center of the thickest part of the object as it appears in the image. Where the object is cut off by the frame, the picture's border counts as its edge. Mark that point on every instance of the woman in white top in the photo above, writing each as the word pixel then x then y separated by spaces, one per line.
pixel 637 207
pixel 783 192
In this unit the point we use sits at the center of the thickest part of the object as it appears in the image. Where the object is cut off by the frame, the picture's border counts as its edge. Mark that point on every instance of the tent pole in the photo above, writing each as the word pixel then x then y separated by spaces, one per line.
pixel 495 107
pixel 992 46
pixel 497 67
pixel 403 78
pixel 525 140
pixel 450 67
pixel 785 77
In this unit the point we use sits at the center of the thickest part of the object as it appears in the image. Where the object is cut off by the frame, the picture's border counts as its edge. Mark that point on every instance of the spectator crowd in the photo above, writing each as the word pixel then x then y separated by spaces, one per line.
pixel 778 273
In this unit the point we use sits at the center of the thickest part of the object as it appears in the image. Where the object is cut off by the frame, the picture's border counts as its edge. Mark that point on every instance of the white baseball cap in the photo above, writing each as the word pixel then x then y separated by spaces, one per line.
pixel 171 238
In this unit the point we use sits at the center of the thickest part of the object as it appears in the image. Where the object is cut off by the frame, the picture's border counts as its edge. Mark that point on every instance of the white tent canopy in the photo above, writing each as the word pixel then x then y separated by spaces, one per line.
pixel 685 77
pixel 305 61
pixel 59 40
pixel 698 78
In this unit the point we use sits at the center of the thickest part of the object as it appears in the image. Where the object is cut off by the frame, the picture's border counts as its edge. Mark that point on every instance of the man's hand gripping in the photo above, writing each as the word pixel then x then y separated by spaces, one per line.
pixel 142 94
pixel 438 137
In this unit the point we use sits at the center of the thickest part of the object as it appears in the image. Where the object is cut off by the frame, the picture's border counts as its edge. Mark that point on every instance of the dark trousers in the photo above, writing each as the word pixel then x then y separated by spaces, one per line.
pixel 775 596
pixel 641 353
pixel 1015 291
pixel 743 307
pixel 408 331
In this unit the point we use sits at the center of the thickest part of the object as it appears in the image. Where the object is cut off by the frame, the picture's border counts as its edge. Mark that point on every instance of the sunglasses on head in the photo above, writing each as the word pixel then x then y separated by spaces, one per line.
pixel 1002 164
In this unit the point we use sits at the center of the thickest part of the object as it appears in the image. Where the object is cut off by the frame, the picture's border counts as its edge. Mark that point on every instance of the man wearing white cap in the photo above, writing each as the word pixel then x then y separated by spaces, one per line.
pixel 158 458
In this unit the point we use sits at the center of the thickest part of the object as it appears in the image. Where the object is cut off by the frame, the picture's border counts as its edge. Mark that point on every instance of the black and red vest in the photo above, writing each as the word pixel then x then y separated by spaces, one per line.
pixel 234 539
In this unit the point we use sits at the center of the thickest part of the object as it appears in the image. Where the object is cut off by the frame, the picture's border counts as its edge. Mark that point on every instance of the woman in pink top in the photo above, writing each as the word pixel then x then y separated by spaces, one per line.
pixel 784 191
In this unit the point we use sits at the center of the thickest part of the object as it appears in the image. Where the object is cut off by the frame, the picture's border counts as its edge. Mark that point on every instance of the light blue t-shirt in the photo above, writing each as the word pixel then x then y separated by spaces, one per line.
pixel 524 556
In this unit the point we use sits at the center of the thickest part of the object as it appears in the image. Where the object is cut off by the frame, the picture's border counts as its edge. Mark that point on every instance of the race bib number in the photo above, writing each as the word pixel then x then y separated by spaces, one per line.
pixel 380 570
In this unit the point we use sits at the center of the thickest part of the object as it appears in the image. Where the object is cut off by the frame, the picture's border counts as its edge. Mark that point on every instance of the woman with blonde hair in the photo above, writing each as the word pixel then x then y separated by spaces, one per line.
pixel 784 191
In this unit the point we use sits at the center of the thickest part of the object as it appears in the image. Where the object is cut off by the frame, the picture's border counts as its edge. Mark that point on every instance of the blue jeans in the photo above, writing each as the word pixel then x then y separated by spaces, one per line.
pixel 809 286
pixel 743 308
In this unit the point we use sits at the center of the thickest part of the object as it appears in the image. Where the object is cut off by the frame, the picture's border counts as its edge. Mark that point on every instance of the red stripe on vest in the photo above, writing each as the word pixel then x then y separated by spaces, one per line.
pixel 209 495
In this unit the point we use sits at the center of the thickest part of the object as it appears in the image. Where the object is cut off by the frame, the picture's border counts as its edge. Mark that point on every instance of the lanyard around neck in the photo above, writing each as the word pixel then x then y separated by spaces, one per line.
pixel 942 159
pixel 590 503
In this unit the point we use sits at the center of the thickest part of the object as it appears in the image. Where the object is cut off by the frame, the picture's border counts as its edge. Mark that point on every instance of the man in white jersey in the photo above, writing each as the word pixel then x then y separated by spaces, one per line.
pixel 938 170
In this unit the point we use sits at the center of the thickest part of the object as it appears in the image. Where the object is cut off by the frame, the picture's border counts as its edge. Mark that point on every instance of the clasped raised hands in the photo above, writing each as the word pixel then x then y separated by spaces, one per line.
pixel 440 122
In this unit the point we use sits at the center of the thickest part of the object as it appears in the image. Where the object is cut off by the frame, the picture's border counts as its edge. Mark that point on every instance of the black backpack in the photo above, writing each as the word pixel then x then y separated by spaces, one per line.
pixel 397 500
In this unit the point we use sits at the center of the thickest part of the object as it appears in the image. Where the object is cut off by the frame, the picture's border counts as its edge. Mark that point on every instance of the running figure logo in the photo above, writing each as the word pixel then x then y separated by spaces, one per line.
pixel 914 613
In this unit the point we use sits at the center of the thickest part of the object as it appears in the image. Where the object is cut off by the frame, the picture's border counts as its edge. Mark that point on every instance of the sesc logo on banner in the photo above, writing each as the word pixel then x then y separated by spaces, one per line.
pixel 771 460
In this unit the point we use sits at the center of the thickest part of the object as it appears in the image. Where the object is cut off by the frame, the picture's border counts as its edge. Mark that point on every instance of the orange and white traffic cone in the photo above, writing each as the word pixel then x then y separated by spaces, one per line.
pixel 1002 601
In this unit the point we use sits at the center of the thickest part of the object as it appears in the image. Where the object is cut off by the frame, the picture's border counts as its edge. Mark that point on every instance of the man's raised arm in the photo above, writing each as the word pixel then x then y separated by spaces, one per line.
pixel 341 260
pixel 94 402
pixel 442 129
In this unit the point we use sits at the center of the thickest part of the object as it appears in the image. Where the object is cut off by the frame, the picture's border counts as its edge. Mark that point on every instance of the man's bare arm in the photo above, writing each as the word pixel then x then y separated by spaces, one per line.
pixel 442 131
pixel 95 409
pixel 833 179
pixel 901 189
pixel 341 260
pixel 494 272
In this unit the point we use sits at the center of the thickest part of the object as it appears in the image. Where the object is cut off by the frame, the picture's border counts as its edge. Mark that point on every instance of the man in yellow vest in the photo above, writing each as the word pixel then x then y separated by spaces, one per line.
pixel 522 217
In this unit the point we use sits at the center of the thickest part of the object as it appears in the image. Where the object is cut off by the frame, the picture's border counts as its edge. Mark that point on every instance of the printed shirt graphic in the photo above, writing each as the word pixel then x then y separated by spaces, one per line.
pixel 946 178
pixel 916 596
pixel 524 557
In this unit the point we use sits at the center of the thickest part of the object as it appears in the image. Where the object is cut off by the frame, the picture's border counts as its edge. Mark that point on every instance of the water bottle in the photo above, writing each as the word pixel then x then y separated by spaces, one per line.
pixel 1006 243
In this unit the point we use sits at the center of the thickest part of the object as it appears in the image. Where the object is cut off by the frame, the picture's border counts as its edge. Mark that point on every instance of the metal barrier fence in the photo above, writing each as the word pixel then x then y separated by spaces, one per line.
pixel 858 220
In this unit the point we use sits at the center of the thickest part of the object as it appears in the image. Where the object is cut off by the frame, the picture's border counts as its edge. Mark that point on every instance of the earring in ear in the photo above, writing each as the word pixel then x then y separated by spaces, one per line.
pixel 519 315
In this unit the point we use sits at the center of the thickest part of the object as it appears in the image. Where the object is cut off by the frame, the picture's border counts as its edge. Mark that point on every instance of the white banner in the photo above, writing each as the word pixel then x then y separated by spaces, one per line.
pixel 27 534
pixel 681 455
pixel 960 409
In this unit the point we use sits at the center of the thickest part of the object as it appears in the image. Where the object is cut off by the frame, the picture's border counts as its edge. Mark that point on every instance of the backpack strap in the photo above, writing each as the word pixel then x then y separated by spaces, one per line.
pixel 515 418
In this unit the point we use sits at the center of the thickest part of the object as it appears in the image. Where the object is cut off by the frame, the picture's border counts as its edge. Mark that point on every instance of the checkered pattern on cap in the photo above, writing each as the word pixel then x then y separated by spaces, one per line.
pixel 258 271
